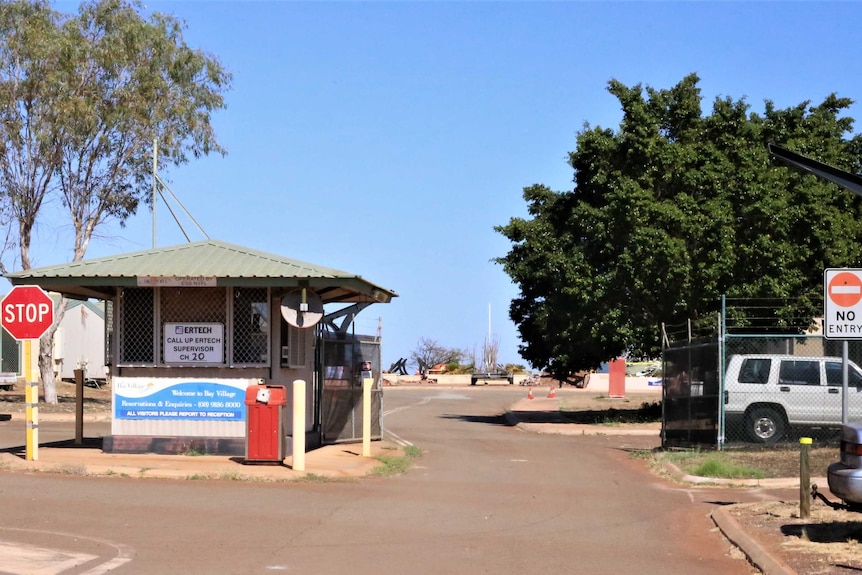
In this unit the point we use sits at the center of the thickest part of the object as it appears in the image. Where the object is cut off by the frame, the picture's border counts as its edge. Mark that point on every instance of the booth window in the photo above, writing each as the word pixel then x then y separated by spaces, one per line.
pixel 109 332
pixel 250 326
pixel 136 337
pixel 193 305
pixel 236 321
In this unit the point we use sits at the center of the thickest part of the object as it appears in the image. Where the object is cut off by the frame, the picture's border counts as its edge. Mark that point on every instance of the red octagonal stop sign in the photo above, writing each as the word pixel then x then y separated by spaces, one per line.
pixel 27 312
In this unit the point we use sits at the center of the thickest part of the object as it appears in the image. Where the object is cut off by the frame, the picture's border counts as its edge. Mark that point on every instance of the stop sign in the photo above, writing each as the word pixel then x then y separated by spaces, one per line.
pixel 27 312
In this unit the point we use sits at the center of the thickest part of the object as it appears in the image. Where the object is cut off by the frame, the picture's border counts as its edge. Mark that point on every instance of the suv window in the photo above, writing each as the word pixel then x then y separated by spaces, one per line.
pixel 794 372
pixel 755 371
pixel 834 376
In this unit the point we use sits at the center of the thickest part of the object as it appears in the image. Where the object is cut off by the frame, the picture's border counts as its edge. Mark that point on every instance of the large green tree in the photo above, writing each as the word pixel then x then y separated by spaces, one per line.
pixel 83 97
pixel 673 210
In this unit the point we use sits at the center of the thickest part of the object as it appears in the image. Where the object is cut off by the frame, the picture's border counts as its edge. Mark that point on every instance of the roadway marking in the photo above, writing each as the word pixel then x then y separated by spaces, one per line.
pixel 451 396
pixel 108 566
pixel 23 559
pixel 425 400
pixel 398 439
pixel 403 407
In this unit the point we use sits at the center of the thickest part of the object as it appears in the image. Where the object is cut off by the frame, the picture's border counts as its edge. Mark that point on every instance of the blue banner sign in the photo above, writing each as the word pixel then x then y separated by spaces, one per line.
pixel 179 399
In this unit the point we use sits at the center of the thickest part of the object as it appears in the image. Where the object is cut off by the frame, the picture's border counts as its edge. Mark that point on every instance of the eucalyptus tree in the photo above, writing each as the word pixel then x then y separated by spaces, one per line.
pixel 30 38
pixel 83 97
pixel 672 210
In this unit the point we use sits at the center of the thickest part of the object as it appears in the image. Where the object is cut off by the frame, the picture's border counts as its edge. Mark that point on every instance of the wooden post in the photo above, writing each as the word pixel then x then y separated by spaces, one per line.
pixel 804 478
pixel 79 406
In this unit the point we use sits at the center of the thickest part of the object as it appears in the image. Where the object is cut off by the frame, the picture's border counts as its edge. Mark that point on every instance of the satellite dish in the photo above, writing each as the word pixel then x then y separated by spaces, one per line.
pixel 302 308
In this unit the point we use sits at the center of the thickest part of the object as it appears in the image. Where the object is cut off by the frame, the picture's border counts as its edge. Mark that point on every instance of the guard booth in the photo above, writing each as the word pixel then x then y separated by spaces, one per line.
pixel 190 327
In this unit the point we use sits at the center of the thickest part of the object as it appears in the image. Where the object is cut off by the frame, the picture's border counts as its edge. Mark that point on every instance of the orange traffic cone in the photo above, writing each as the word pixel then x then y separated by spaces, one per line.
pixel 530 394
pixel 551 392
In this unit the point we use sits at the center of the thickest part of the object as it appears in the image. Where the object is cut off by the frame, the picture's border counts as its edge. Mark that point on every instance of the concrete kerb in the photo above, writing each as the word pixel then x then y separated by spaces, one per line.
pixel 522 414
pixel 341 461
pixel 766 562
pixel 756 553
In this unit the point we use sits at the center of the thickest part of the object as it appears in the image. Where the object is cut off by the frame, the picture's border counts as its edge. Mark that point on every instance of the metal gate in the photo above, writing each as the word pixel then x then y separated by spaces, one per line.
pixel 690 394
pixel 341 392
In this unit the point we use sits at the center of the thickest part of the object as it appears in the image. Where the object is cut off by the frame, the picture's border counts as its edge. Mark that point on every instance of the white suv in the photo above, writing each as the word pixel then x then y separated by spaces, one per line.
pixel 768 393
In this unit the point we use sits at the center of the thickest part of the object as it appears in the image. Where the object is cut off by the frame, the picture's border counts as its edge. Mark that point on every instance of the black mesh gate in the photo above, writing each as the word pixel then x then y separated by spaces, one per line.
pixel 690 395
pixel 341 401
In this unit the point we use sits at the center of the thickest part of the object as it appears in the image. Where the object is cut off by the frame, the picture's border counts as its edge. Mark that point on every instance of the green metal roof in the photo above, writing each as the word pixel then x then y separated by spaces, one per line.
pixel 218 263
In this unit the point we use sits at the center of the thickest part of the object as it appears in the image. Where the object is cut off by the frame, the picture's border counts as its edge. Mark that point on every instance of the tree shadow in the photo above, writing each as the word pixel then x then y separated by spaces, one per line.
pixel 499 419
pixel 644 414
pixel 86 443
pixel 831 532
pixel 551 416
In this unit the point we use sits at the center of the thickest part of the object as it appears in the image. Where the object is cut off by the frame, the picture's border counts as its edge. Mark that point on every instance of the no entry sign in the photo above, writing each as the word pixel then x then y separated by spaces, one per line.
pixel 27 312
pixel 842 298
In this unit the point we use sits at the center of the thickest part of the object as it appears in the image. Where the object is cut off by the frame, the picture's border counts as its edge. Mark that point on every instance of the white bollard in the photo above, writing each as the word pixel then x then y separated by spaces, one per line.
pixel 299 425
pixel 367 384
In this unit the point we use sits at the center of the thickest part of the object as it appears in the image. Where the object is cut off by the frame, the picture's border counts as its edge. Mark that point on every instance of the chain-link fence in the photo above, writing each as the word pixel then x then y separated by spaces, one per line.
pixel 748 383
pixel 778 388
pixel 10 357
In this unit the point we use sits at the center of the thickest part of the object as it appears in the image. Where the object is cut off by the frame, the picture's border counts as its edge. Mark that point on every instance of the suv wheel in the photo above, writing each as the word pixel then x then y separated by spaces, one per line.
pixel 765 425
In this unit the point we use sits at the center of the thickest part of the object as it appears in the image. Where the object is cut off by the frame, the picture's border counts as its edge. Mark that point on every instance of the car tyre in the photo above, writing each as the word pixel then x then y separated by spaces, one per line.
pixel 765 425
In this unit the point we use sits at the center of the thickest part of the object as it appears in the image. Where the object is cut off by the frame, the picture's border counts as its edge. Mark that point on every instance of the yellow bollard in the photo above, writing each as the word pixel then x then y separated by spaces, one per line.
pixel 31 408
pixel 804 478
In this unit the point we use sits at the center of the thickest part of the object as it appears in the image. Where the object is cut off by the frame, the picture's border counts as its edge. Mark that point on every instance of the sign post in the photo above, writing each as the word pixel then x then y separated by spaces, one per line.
pixel 27 312
pixel 842 317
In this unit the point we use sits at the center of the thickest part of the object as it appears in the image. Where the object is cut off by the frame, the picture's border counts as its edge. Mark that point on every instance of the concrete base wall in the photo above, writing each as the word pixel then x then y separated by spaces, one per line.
pixel 173 445
pixel 599 382
pixel 193 445
pixel 444 379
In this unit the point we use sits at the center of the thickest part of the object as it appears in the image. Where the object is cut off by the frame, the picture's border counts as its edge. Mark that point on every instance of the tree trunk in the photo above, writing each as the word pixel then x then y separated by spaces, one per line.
pixel 46 354
pixel 46 367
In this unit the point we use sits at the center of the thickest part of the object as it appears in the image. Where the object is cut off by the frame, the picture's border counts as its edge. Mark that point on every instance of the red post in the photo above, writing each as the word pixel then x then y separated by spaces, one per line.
pixel 617 378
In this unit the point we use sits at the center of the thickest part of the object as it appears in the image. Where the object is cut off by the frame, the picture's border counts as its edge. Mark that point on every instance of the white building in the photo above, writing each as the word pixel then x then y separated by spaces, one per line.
pixel 79 342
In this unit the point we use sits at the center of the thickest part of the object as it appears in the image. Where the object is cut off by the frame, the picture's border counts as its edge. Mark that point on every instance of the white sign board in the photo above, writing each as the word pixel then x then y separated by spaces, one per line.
pixel 176 399
pixel 842 302
pixel 177 281
pixel 194 343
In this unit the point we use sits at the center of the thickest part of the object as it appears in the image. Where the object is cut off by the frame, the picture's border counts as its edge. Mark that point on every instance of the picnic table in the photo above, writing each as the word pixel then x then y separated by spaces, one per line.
pixel 8 380
pixel 474 377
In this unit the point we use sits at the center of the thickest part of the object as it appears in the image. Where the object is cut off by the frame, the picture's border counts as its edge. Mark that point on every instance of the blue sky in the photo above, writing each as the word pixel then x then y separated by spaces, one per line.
pixel 387 139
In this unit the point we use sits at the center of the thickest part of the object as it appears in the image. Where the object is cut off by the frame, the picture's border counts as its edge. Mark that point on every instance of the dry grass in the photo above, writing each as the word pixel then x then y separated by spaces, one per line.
pixel 827 542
